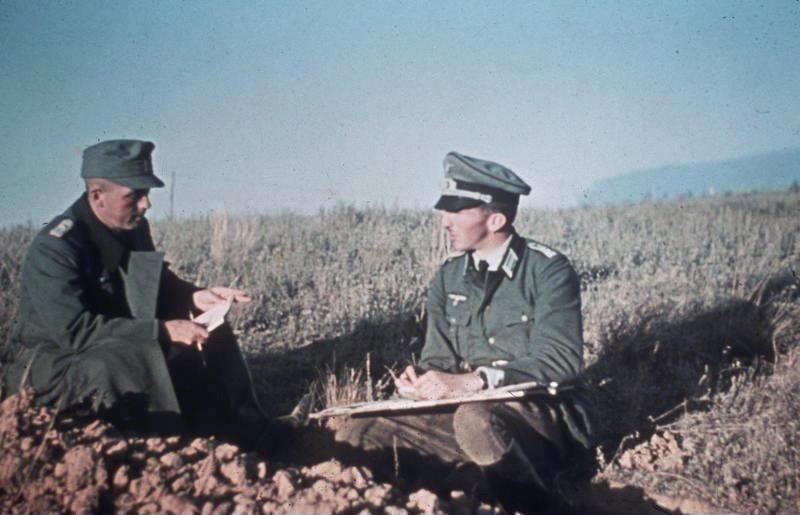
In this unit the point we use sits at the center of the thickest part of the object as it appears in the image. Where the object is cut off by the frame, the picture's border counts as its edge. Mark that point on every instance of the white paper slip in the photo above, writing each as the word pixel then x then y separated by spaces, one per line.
pixel 215 316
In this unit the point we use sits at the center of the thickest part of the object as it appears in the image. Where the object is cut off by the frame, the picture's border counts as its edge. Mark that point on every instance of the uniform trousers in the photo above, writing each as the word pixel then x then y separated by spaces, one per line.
pixel 519 443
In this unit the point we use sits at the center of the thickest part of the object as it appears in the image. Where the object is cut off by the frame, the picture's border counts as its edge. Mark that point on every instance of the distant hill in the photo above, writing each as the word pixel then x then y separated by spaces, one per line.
pixel 773 170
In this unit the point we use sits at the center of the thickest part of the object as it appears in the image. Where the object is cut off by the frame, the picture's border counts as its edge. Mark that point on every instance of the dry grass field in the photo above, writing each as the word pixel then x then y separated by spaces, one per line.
pixel 691 322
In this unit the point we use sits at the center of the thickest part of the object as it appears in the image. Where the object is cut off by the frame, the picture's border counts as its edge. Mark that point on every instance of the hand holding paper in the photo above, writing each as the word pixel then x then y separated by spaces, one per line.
pixel 215 316
pixel 206 299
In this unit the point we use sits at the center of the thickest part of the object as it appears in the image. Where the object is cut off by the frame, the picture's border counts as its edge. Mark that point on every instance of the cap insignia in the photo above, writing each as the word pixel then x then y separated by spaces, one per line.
pixel 451 189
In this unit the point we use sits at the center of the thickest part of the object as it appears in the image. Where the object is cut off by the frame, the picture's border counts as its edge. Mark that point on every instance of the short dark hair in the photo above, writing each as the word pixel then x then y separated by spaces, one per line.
pixel 508 209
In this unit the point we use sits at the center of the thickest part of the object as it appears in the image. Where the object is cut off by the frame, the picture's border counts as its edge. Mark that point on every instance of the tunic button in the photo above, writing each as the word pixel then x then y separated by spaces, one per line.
pixel 453 320
pixel 524 318
pixel 491 340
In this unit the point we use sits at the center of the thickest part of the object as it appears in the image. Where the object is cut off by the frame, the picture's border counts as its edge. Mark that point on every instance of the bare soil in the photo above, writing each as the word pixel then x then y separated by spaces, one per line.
pixel 54 462
pixel 60 463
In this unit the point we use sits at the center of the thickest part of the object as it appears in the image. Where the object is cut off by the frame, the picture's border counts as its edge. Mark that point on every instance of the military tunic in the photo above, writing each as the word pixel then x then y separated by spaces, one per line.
pixel 88 316
pixel 524 320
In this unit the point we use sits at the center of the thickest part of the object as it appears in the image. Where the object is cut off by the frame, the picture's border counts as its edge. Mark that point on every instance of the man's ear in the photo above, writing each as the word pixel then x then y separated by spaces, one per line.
pixel 95 195
pixel 496 222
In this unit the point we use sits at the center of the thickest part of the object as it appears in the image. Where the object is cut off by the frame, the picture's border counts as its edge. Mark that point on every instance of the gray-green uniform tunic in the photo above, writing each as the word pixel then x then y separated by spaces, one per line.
pixel 88 320
pixel 524 320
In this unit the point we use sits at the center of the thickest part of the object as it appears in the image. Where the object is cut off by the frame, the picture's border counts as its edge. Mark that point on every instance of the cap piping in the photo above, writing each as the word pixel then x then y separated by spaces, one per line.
pixel 451 189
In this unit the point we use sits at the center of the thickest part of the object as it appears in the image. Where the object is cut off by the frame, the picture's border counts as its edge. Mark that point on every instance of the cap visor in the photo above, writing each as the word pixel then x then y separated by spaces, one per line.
pixel 455 204
pixel 138 183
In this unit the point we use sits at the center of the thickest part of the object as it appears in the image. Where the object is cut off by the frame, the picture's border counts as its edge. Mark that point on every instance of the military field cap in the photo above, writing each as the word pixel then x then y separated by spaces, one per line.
pixel 122 161
pixel 471 182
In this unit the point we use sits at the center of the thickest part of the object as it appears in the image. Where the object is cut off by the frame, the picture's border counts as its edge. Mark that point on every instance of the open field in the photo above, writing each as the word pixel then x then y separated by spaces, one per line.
pixel 694 358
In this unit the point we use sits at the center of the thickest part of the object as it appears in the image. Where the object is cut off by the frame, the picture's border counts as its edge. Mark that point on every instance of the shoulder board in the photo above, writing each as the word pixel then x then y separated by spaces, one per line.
pixel 544 249
pixel 61 228
pixel 453 255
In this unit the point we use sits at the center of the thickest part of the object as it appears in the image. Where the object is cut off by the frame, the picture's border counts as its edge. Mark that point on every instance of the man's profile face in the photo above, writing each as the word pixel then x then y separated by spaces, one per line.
pixel 120 208
pixel 468 229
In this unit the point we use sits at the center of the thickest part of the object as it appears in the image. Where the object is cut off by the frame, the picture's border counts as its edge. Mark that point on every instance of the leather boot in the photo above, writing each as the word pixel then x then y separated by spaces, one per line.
pixel 523 479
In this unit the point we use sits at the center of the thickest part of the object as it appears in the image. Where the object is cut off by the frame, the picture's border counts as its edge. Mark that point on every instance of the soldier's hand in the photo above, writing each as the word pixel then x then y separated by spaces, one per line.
pixel 434 385
pixel 405 383
pixel 186 332
pixel 208 298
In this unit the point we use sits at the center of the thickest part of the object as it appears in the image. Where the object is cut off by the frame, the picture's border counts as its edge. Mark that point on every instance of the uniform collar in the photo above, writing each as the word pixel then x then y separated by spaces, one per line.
pixel 513 253
pixel 113 247
pixel 508 258
pixel 495 258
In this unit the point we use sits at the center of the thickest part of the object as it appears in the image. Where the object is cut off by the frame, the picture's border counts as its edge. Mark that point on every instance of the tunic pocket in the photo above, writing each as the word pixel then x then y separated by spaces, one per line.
pixel 517 316
pixel 514 332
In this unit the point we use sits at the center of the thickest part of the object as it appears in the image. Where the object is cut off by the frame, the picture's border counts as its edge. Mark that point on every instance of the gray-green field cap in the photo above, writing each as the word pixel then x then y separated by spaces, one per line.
pixel 122 161
pixel 470 182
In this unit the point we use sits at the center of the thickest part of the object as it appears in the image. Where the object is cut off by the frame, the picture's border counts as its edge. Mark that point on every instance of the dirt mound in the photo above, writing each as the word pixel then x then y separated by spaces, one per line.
pixel 55 463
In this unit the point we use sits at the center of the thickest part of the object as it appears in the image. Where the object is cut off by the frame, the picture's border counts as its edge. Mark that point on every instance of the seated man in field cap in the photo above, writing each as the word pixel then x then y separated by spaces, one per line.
pixel 502 310
pixel 103 321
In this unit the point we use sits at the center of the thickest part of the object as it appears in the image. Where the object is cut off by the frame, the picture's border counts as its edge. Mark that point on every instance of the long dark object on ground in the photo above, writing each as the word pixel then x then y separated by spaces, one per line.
pixel 505 393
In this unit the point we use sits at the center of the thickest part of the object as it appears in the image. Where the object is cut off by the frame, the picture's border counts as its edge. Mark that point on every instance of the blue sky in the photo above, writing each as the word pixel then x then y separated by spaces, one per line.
pixel 269 106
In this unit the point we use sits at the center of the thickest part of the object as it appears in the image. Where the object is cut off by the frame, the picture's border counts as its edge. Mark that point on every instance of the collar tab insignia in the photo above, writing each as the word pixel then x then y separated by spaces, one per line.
pixel 510 262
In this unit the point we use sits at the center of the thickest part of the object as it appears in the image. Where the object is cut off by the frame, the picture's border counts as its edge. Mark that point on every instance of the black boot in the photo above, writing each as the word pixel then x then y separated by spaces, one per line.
pixel 523 480
pixel 266 436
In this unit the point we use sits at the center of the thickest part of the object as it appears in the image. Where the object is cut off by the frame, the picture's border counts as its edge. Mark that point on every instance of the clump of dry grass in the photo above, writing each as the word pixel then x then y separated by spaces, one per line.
pixel 733 434
pixel 351 385
pixel 13 243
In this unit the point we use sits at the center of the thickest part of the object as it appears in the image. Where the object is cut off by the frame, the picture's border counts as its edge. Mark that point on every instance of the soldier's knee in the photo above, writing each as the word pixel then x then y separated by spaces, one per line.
pixel 472 417
pixel 350 430
pixel 95 369
pixel 479 433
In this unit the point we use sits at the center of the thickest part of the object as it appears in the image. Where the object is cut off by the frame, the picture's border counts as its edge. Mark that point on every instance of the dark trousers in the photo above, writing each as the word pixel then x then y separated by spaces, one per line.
pixel 213 386
pixel 140 385
pixel 516 446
